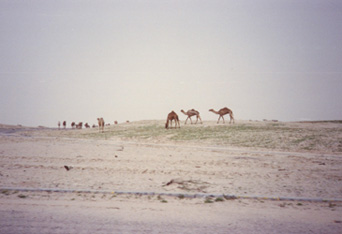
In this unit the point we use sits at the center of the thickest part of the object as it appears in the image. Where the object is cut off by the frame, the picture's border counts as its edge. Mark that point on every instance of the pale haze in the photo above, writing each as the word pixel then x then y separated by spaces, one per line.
pixel 138 60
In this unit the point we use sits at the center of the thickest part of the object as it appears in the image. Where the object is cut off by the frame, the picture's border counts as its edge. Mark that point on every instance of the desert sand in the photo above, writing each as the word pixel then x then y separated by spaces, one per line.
pixel 250 177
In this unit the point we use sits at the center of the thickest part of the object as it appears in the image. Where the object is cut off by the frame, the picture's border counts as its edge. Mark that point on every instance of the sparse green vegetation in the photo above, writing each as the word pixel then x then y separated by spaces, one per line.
pixel 208 200
pixel 219 199
pixel 5 192
pixel 268 135
pixel 161 199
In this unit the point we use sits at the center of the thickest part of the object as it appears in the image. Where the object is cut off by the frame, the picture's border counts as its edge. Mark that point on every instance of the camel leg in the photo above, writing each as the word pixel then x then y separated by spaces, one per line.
pixel 218 121
pixel 198 117
pixel 231 118
pixel 190 120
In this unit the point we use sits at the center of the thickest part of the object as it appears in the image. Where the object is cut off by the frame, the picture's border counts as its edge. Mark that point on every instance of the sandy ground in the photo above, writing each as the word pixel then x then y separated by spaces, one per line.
pixel 109 178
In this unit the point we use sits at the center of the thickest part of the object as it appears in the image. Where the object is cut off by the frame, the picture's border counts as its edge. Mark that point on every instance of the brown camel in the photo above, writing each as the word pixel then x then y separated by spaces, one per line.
pixel 73 125
pixel 190 113
pixel 172 116
pixel 223 112
pixel 64 124
pixel 101 124
pixel 87 125
pixel 79 125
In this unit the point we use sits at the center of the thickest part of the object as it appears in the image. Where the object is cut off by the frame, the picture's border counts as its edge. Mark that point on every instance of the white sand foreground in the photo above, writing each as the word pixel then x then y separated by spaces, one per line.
pixel 101 166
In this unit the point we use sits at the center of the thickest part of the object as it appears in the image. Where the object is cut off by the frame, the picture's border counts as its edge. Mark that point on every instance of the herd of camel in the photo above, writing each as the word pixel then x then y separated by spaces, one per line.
pixel 172 116
pixel 86 125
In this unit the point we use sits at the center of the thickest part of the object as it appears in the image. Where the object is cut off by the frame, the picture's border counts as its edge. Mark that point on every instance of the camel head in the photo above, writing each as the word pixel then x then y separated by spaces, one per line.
pixel 211 110
pixel 167 125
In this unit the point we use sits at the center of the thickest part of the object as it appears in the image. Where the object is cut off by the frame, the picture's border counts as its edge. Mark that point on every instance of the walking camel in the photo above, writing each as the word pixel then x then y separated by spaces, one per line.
pixel 223 112
pixel 170 117
pixel 101 124
pixel 190 113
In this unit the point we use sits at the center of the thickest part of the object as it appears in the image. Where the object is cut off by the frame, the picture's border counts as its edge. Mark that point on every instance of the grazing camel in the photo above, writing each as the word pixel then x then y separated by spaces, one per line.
pixel 223 112
pixel 64 124
pixel 172 116
pixel 101 124
pixel 190 113
pixel 73 125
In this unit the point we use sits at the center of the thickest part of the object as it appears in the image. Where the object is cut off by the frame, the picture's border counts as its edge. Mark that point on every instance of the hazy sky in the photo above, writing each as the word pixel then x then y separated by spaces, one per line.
pixel 133 60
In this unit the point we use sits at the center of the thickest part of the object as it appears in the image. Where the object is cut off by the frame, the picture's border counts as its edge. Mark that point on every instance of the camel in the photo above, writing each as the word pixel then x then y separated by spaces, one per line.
pixel 190 113
pixel 73 124
pixel 223 112
pixel 101 124
pixel 59 124
pixel 64 124
pixel 79 125
pixel 172 116
pixel 87 125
